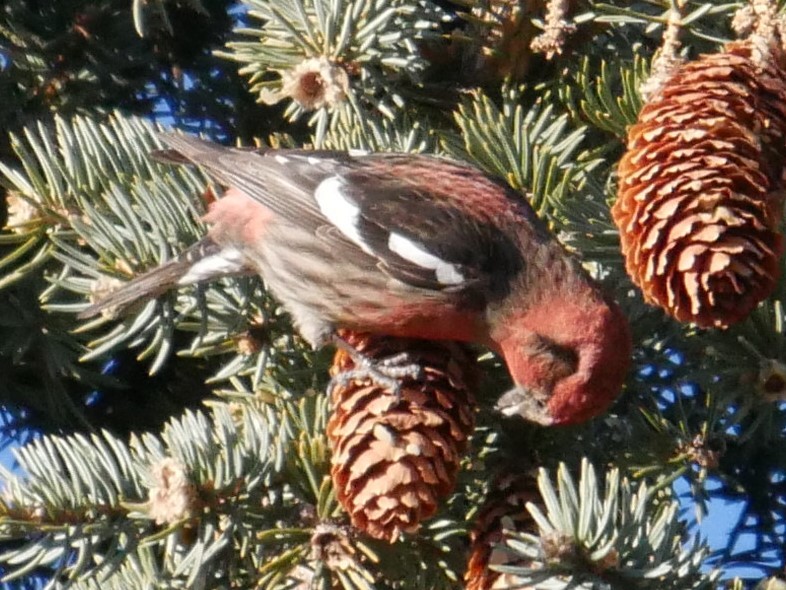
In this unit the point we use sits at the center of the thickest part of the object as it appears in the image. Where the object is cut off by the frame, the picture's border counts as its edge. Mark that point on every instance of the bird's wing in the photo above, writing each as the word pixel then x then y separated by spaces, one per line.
pixel 428 222
pixel 282 180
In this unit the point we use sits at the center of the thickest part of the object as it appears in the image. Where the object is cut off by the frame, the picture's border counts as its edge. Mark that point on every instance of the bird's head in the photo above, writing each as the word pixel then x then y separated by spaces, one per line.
pixel 568 357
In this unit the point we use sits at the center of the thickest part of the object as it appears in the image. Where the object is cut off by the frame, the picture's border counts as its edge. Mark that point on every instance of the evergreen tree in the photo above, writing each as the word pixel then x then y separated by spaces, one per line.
pixel 191 442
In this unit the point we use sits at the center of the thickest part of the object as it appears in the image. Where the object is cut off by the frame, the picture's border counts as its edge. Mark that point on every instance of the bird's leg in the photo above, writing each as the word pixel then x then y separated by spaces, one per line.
pixel 386 372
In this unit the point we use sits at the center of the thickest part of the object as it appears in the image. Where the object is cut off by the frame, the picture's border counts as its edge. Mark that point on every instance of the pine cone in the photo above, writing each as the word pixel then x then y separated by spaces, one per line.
pixel 700 188
pixel 394 459
pixel 505 506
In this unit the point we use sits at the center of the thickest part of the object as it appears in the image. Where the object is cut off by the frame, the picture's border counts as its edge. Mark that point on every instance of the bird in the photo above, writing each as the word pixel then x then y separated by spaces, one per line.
pixel 405 245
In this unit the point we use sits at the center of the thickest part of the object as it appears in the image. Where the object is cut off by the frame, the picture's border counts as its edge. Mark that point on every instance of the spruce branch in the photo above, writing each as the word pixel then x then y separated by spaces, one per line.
pixel 186 495
pixel 700 21
pixel 324 53
pixel 78 172
pixel 605 534
pixel 357 130
pixel 535 150
pixel 139 571
pixel 109 213
pixel 743 370
pixel 746 361
pixel 87 213
pixel 99 189
pixel 606 95
pixel 40 370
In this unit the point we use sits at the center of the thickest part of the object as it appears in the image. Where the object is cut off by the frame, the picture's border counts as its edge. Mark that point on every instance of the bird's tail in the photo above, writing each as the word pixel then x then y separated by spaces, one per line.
pixel 203 261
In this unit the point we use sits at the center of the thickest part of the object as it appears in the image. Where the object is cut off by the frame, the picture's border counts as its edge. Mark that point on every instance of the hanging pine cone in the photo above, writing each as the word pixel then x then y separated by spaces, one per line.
pixel 700 188
pixel 395 458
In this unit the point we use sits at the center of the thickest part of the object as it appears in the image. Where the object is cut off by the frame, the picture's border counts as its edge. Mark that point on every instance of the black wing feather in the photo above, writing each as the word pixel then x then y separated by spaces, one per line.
pixel 474 246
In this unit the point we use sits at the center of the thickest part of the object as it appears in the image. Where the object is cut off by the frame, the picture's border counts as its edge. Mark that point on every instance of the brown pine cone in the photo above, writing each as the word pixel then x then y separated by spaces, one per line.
pixel 505 505
pixel 395 458
pixel 701 188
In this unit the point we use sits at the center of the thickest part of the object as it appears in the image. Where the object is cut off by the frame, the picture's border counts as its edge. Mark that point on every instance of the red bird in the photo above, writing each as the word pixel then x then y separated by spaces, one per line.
pixel 409 246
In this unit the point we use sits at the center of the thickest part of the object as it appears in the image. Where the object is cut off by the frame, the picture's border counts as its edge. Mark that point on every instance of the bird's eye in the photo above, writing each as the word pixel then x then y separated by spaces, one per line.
pixel 561 360
pixel 566 356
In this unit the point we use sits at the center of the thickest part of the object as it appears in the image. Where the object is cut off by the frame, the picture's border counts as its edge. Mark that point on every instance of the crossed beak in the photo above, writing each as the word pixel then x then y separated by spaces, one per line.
pixel 528 403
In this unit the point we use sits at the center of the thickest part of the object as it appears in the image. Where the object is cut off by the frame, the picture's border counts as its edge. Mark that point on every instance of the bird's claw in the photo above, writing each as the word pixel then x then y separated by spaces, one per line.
pixel 388 372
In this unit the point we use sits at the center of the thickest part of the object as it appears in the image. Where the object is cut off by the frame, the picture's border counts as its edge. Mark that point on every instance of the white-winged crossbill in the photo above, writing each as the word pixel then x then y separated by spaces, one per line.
pixel 409 246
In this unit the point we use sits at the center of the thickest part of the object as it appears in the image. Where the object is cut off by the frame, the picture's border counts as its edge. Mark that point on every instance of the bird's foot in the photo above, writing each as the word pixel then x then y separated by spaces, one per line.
pixel 388 372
